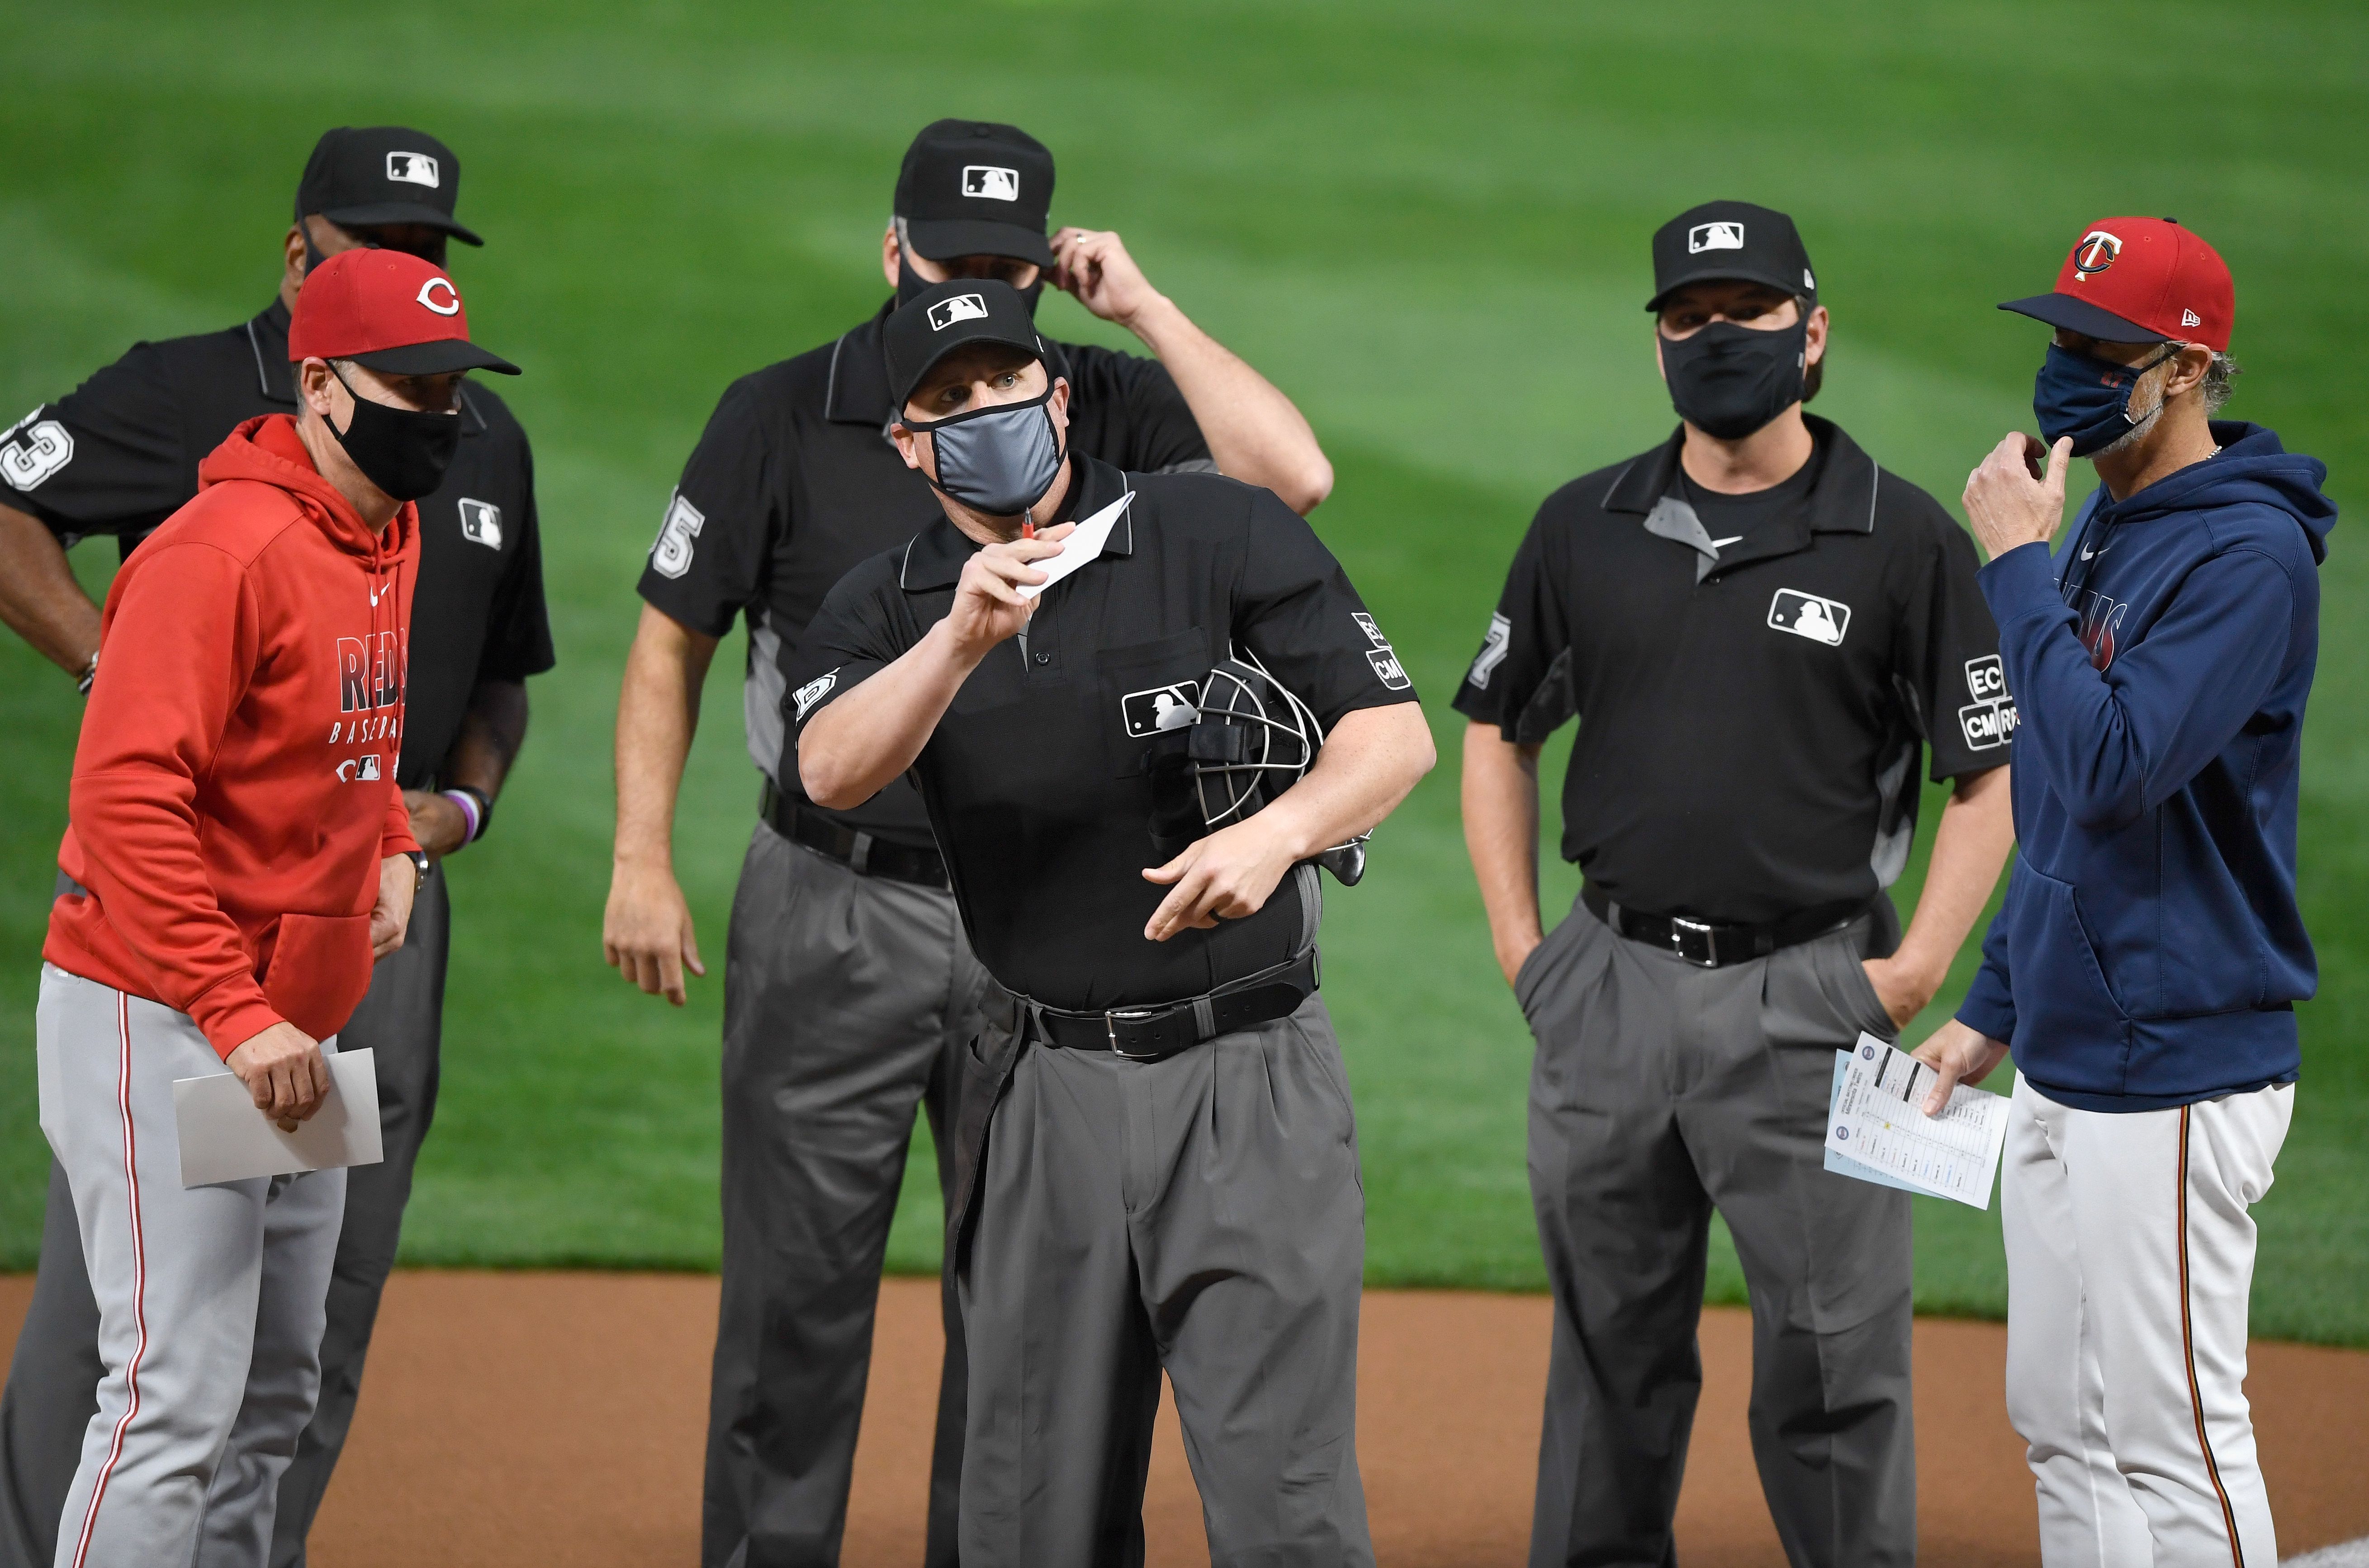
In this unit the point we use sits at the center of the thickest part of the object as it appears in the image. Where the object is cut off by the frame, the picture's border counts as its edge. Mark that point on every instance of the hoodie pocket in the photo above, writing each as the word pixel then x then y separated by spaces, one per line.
pixel 2071 1031
pixel 320 968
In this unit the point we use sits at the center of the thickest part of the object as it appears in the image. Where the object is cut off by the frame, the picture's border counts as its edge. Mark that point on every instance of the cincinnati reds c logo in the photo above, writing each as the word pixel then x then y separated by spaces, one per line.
pixel 2096 252
pixel 451 303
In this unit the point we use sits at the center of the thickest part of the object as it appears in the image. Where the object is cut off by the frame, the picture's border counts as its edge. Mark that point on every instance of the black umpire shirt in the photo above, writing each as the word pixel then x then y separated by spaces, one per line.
pixel 1035 778
pixel 794 481
pixel 119 455
pixel 1752 694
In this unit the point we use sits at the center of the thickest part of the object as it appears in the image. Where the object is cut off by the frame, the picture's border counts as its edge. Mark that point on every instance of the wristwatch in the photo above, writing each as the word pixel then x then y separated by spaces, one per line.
pixel 420 859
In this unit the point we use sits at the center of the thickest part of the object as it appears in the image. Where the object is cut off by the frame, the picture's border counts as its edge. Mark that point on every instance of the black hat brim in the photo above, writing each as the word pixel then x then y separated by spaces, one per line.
pixel 378 215
pixel 1033 348
pixel 942 239
pixel 2081 316
pixel 440 358
pixel 1729 272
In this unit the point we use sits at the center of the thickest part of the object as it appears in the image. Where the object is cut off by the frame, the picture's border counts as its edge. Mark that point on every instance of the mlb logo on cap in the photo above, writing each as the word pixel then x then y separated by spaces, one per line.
pixel 961 307
pixel 413 168
pixel 991 182
pixel 1714 236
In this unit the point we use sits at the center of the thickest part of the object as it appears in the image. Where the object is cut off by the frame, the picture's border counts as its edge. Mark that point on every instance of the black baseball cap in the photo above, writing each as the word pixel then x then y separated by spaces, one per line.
pixel 974 188
pixel 950 315
pixel 1730 241
pixel 360 176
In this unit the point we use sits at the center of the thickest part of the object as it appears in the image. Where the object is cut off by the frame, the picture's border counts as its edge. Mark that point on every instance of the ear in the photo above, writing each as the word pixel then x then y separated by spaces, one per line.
pixel 1059 404
pixel 317 389
pixel 908 447
pixel 889 253
pixel 2185 371
pixel 1659 368
pixel 291 258
pixel 1814 348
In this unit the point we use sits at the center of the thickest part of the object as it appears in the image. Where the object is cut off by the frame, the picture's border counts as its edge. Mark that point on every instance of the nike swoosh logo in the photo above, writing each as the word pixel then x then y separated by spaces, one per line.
pixel 377 593
pixel 2087 552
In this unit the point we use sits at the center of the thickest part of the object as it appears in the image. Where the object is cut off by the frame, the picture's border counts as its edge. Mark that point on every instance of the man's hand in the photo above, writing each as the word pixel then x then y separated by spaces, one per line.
pixel 1227 875
pixel 283 1068
pixel 399 883
pixel 987 607
pixel 1094 265
pixel 2010 500
pixel 436 822
pixel 646 932
pixel 1902 988
pixel 1957 1055
pixel 1515 951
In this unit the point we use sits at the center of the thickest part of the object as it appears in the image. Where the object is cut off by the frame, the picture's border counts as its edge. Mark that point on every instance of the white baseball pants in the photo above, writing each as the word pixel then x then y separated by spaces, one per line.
pixel 2130 1256
pixel 210 1300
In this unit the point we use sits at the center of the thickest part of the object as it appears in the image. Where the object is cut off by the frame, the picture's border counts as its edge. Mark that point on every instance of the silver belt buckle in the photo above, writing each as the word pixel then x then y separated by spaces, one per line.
pixel 1701 949
pixel 1111 1021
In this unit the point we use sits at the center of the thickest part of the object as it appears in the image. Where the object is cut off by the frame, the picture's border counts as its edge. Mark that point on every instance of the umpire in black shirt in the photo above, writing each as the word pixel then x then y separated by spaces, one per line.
pixel 1759 631
pixel 119 456
pixel 847 986
pixel 1157 1166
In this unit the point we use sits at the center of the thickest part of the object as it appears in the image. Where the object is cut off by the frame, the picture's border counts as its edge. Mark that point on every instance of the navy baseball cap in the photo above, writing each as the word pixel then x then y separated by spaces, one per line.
pixel 974 188
pixel 1730 242
pixel 950 315
pixel 363 176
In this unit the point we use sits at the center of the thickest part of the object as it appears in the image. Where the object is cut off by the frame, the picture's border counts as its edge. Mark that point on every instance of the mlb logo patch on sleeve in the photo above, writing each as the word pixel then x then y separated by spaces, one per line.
pixel 1809 615
pixel 481 523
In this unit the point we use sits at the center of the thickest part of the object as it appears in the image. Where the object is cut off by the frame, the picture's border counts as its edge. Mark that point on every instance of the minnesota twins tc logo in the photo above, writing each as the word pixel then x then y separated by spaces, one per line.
pixel 2096 252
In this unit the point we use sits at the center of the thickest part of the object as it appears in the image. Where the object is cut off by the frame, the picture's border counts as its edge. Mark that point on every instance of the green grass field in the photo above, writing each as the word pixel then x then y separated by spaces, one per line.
pixel 1428 224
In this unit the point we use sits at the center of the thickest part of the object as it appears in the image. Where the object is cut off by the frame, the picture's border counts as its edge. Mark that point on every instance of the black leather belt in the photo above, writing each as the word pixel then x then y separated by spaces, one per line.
pixel 867 856
pixel 1155 1034
pixel 1713 943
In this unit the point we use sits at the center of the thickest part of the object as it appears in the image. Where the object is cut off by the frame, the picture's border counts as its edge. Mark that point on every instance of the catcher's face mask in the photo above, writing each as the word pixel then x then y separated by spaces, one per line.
pixel 1250 740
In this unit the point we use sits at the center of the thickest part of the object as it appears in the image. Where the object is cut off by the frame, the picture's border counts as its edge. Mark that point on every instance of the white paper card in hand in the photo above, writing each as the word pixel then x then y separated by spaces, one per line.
pixel 1078 550
pixel 224 1139
pixel 1876 1121
pixel 1842 1164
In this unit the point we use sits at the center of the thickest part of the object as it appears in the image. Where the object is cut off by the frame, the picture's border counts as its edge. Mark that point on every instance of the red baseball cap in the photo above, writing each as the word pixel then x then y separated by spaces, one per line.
pixel 2140 280
pixel 389 309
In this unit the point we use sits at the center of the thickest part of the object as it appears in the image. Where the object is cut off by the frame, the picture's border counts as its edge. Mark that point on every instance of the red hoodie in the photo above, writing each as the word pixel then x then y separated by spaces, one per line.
pixel 234 789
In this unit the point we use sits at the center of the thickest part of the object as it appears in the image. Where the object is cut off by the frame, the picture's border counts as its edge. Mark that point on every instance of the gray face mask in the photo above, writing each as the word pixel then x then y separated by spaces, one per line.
pixel 999 461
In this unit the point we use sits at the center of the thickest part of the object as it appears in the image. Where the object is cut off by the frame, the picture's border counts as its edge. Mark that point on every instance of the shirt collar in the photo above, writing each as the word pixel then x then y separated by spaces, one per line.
pixel 1841 499
pixel 935 557
pixel 267 335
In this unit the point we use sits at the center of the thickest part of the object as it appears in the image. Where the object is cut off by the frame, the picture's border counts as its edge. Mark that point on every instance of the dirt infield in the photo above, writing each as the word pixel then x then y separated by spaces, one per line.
pixel 558 1418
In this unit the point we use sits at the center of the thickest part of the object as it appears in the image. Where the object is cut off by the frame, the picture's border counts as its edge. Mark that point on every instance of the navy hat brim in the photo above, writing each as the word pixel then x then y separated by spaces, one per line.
pixel 2081 316
pixel 1730 273
pixel 378 215
pixel 440 358
pixel 943 239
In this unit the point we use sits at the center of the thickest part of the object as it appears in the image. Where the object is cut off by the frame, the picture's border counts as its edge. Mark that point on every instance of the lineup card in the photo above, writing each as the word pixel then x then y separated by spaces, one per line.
pixel 1875 1123
pixel 1078 549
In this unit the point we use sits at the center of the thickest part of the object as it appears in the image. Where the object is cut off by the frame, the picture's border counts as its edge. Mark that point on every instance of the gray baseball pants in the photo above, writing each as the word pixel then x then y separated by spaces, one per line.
pixel 56 1369
pixel 1202 1214
pixel 1661 1090
pixel 846 1002
pixel 210 1299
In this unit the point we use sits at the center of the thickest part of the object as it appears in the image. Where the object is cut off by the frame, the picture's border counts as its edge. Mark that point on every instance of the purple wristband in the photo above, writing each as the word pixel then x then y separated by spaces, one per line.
pixel 468 806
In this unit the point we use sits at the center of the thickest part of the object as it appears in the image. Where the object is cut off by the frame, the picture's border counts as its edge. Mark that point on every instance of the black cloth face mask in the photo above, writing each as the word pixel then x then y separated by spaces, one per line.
pixel 1728 381
pixel 403 451
pixel 998 460
pixel 910 283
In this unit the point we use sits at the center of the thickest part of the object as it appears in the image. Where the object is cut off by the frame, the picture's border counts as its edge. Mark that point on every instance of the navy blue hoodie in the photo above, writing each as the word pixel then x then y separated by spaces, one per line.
pixel 2150 952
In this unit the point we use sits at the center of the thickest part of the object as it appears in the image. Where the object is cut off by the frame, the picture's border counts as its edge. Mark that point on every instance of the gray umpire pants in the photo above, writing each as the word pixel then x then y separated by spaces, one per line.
pixel 55 1372
pixel 1202 1214
pixel 846 1002
pixel 1661 1090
